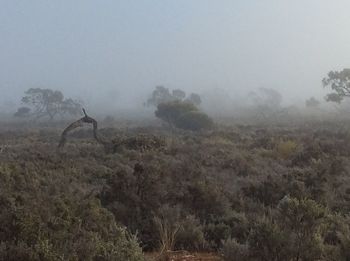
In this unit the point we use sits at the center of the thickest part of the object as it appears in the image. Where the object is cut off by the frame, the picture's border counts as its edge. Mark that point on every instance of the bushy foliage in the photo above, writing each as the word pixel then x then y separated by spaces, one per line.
pixel 184 115
pixel 194 120
pixel 285 149
pixel 172 111
pixel 22 112
pixel 191 235
pixel 229 191
pixel 43 217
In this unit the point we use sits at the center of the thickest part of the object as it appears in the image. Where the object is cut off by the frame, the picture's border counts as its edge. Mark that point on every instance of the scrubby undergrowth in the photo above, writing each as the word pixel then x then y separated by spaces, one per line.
pixel 246 192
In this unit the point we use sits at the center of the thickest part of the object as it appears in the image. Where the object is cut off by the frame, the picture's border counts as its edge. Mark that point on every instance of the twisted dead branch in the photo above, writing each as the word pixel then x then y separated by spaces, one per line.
pixel 80 123
pixel 140 142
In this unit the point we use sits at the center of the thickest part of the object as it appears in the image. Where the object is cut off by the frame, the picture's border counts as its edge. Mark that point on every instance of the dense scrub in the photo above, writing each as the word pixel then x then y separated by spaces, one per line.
pixel 247 192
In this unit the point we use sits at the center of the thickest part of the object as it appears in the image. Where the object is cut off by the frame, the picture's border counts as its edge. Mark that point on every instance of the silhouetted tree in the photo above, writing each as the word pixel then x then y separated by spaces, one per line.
pixel 163 95
pixel 160 95
pixel 49 103
pixel 312 103
pixel 339 82
pixel 267 102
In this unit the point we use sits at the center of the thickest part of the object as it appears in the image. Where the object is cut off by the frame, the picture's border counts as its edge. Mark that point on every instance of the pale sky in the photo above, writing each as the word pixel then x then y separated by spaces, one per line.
pixel 113 51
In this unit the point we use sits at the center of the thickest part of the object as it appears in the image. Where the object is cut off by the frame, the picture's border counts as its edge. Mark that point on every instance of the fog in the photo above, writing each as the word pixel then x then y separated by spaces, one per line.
pixel 111 54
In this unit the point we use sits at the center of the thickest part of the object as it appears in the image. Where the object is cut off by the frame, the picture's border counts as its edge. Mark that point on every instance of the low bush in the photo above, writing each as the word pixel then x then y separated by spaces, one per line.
pixel 194 120
pixel 183 115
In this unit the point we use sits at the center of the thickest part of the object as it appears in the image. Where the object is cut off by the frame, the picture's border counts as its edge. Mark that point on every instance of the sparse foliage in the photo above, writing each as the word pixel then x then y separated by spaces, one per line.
pixel 339 82
pixel 312 103
pixel 163 95
pixel 49 103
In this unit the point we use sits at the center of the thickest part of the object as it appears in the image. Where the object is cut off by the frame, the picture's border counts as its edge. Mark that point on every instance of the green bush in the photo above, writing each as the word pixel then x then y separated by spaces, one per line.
pixel 194 120
pixel 183 115
pixel 171 111
pixel 285 149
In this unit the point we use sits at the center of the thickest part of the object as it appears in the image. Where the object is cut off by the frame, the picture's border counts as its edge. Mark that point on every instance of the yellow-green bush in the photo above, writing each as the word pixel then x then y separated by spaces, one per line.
pixel 285 149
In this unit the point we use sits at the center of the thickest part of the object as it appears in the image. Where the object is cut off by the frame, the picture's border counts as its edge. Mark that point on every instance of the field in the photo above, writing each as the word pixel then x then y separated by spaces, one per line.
pixel 239 192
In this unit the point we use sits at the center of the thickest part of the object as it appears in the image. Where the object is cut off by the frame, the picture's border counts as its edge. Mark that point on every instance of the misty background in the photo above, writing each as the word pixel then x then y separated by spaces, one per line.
pixel 111 54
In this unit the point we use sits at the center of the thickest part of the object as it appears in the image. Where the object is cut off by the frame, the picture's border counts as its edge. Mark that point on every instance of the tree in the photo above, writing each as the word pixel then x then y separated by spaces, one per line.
pixel 312 103
pixel 339 82
pixel 159 95
pixel 266 97
pixel 179 94
pixel 195 99
pixel 163 95
pixel 49 103
pixel 267 102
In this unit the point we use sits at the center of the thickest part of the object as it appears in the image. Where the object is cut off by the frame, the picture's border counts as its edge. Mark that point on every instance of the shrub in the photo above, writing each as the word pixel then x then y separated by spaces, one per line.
pixel 286 149
pixel 303 219
pixel 191 236
pixel 171 111
pixel 22 112
pixel 234 251
pixel 184 115
pixel 194 120
pixel 268 242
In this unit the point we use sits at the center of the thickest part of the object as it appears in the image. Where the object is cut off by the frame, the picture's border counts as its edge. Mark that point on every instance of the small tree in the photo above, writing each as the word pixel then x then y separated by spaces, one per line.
pixel 339 82
pixel 49 103
pixel 163 95
pixel 267 102
pixel 312 103
pixel 160 95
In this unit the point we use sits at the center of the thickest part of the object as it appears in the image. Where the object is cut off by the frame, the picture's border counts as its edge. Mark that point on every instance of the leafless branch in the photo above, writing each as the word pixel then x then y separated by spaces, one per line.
pixel 80 123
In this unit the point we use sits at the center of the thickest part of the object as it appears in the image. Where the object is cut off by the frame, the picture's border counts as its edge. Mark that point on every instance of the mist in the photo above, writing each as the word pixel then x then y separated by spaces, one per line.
pixel 112 54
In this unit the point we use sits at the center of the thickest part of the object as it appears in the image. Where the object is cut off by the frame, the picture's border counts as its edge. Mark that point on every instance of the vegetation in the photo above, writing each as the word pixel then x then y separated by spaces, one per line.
pixel 312 103
pixel 339 82
pixel 47 103
pixel 184 115
pixel 267 102
pixel 277 194
pixel 22 112
pixel 162 95
pixel 243 192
